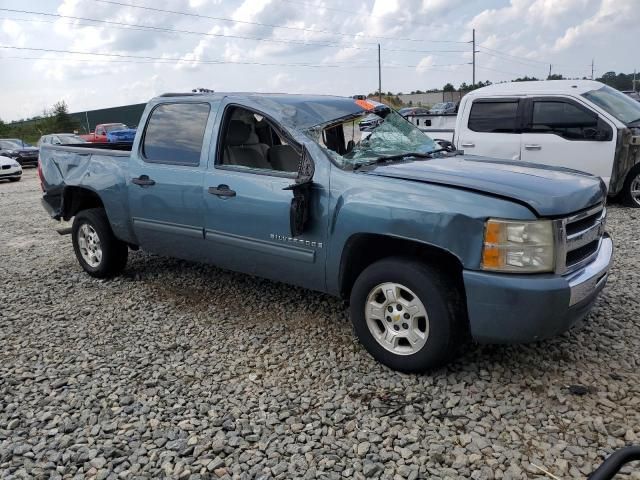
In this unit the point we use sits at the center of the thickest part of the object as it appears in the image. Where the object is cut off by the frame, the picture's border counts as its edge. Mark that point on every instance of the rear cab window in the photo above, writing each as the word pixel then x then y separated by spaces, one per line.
pixel 494 116
pixel 175 133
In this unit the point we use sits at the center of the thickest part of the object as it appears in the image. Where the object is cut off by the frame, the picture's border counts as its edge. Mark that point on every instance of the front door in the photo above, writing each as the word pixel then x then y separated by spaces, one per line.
pixel 247 219
pixel 564 133
pixel 165 188
pixel 491 129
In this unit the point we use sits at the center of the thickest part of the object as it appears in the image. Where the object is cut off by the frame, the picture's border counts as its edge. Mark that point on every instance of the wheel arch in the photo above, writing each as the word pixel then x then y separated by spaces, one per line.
pixel 76 199
pixel 363 249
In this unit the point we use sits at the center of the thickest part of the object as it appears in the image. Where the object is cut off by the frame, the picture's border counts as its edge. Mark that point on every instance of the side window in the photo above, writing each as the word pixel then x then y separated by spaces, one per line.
pixel 174 133
pixel 250 141
pixel 493 117
pixel 564 119
pixel 100 131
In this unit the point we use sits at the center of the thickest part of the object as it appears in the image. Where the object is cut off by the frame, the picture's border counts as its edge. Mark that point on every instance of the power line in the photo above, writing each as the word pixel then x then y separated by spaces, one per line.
pixel 501 53
pixel 500 71
pixel 541 66
pixel 149 28
pixel 514 56
pixel 514 60
pixel 247 22
pixel 151 59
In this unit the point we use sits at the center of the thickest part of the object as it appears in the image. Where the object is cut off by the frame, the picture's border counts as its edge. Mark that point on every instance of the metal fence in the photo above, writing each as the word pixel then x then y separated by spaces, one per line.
pixel 87 121
pixel 127 114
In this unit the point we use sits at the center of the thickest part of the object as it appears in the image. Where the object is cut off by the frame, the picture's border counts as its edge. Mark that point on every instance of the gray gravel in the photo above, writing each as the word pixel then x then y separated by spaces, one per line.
pixel 186 371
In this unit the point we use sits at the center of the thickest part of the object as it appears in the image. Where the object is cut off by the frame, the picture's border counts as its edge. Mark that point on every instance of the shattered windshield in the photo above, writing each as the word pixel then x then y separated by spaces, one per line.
pixel 364 138
pixel 621 106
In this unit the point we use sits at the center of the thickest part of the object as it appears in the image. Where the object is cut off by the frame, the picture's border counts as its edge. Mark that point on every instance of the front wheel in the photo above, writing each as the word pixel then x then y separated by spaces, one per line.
pixel 15 179
pixel 631 188
pixel 406 314
pixel 97 249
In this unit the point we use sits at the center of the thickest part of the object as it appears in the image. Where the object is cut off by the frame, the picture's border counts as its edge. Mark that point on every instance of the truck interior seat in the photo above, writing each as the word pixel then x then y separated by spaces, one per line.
pixel 284 158
pixel 242 147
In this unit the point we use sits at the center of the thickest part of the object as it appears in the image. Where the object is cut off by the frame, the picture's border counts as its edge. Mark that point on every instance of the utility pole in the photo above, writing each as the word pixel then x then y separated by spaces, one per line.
pixel 473 41
pixel 592 69
pixel 634 81
pixel 379 77
pixel 549 72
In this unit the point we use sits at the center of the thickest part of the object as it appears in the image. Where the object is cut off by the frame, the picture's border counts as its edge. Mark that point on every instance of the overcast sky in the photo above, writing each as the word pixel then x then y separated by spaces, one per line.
pixel 305 46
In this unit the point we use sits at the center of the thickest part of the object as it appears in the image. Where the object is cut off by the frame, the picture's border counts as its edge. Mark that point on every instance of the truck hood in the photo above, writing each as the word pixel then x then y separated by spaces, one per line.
pixel 549 191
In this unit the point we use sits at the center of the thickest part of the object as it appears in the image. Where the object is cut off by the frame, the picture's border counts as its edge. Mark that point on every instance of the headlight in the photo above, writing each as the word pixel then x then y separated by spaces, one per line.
pixel 16 164
pixel 518 246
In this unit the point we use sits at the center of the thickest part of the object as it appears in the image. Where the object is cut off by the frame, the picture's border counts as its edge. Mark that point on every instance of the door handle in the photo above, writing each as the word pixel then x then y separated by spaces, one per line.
pixel 222 191
pixel 533 147
pixel 143 181
pixel 470 145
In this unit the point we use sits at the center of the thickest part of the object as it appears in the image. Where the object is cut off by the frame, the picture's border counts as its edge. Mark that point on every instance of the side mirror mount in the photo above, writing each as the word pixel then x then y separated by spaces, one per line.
pixel 301 189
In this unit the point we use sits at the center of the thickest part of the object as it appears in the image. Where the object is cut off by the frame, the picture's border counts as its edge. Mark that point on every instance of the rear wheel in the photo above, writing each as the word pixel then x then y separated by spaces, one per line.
pixel 97 249
pixel 631 188
pixel 406 314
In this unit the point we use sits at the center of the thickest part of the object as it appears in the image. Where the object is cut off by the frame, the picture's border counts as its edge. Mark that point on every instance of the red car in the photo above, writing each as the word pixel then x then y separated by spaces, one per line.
pixel 100 134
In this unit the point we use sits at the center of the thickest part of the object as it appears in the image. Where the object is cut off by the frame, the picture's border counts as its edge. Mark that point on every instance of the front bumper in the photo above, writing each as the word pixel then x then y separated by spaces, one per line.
pixel 506 308
pixel 33 161
pixel 13 172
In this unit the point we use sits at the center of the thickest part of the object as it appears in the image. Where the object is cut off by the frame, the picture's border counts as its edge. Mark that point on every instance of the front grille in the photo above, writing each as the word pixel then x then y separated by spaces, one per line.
pixel 580 237
pixel 6 167
pixel 582 253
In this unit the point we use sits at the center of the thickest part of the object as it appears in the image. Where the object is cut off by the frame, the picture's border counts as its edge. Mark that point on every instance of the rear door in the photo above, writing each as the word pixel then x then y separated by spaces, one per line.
pixel 491 128
pixel 563 132
pixel 166 174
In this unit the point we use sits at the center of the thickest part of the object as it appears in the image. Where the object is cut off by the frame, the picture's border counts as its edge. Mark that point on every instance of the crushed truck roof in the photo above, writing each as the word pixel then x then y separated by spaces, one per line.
pixel 294 110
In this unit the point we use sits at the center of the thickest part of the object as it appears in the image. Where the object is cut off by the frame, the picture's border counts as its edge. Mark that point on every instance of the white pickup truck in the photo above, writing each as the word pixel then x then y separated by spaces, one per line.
pixel 578 124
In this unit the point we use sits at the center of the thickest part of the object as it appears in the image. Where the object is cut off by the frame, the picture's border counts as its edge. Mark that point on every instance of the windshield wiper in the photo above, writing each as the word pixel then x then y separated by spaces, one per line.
pixel 390 158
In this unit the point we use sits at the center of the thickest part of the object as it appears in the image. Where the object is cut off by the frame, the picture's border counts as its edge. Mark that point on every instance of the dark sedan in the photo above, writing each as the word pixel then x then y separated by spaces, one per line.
pixel 20 151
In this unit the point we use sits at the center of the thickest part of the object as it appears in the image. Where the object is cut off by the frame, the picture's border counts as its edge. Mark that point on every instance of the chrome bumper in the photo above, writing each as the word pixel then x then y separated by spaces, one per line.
pixel 593 276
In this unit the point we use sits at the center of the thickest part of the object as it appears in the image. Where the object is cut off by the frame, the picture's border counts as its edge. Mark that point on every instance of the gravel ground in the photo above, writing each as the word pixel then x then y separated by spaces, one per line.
pixel 187 371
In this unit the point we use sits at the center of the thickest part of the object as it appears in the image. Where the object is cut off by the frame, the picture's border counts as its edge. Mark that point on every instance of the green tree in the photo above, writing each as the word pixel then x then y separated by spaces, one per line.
pixel 556 76
pixel 448 88
pixel 62 120
pixel 621 81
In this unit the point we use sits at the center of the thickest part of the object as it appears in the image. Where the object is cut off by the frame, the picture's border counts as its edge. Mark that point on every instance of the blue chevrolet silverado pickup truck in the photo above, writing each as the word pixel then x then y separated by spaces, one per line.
pixel 430 247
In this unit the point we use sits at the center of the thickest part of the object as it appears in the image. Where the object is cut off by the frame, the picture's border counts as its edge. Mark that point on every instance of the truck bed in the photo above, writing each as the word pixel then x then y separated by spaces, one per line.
pixel 93 166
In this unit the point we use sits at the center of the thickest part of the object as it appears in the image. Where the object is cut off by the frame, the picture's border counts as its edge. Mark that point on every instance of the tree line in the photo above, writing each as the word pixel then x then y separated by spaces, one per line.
pixel 53 120
pixel 619 81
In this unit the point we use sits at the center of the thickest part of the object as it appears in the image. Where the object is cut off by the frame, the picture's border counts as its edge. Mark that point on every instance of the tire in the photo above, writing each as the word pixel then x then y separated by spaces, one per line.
pixel 631 183
pixel 440 332
pixel 15 179
pixel 91 233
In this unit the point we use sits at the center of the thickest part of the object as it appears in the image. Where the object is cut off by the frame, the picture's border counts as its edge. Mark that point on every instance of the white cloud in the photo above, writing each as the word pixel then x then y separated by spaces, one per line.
pixel 13 33
pixel 612 16
pixel 425 63
pixel 528 35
